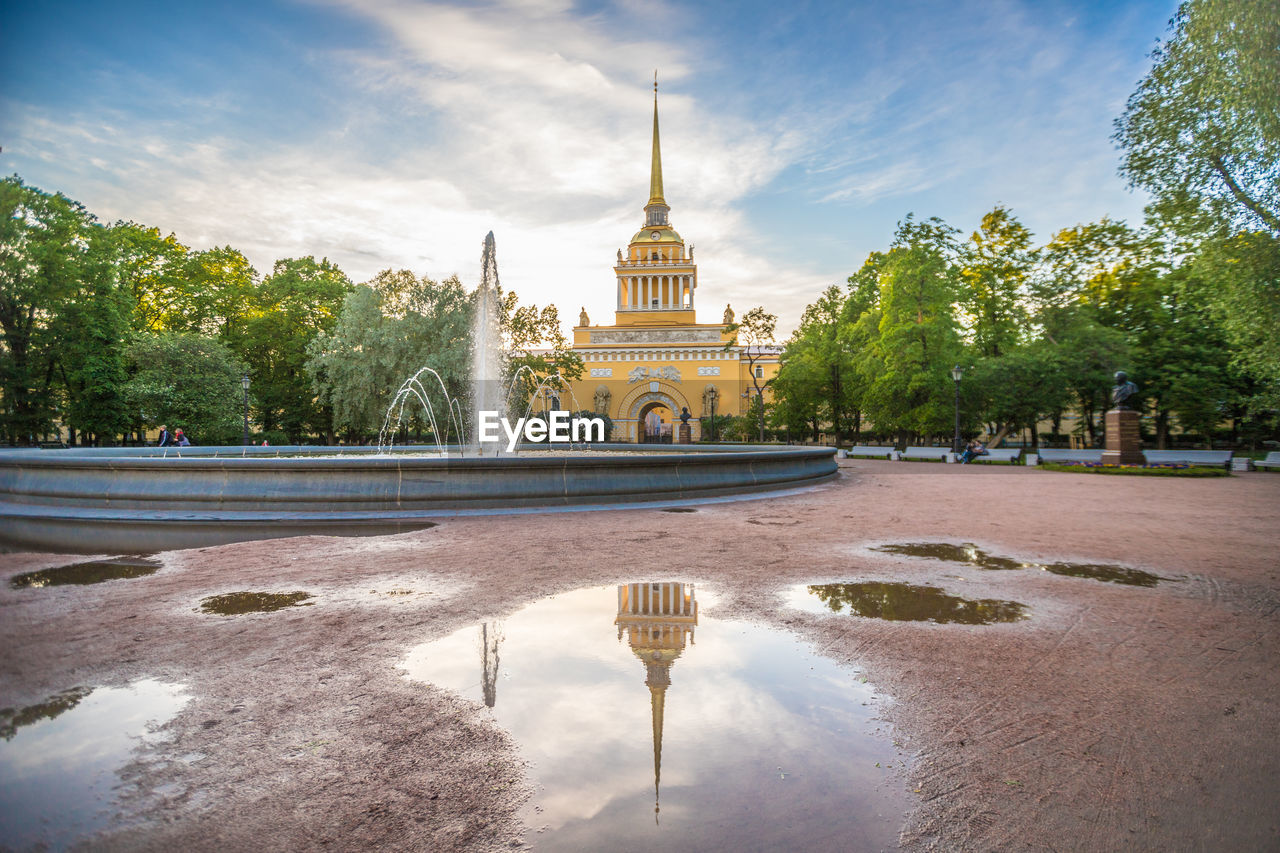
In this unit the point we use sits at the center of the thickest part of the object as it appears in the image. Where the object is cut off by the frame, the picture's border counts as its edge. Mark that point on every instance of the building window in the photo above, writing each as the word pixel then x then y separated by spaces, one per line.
pixel 759 371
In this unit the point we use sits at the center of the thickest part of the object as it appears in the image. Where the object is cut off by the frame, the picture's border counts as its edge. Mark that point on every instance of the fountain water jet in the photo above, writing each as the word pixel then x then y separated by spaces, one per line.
pixel 488 359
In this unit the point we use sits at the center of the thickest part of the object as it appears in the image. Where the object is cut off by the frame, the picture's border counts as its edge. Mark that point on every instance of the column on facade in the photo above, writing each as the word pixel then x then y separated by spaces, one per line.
pixel 666 291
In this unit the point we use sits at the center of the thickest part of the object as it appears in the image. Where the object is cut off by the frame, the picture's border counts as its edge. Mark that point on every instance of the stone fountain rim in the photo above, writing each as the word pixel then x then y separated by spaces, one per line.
pixel 312 456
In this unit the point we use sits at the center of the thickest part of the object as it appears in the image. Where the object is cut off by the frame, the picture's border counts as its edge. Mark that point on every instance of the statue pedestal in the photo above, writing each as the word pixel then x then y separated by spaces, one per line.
pixel 1124 446
pixel 686 434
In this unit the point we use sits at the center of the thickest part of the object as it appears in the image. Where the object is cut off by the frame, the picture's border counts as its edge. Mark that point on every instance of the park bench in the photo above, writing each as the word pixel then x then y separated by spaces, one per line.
pixel 869 451
pixel 1061 454
pixel 938 453
pixel 1217 458
pixel 1000 454
pixel 1272 460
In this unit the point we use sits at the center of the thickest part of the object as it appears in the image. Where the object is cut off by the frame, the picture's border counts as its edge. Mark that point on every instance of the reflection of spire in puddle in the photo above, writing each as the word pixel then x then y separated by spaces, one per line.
pixel 658 620
pixel 490 637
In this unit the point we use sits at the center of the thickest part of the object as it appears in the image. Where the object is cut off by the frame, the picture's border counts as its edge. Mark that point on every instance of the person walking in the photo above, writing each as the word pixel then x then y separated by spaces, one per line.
pixel 165 439
pixel 180 439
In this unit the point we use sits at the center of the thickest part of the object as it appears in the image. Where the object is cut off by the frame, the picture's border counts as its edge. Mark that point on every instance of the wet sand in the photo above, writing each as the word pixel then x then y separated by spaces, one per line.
pixel 1113 717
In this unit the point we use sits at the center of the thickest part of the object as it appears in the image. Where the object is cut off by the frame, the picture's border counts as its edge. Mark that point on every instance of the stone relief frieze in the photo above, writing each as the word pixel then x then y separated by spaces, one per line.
pixel 656 336
pixel 667 372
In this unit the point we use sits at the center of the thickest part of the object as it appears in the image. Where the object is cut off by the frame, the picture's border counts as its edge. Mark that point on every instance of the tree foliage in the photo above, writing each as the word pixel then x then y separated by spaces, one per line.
pixel 298 301
pixel 188 381
pixel 1202 131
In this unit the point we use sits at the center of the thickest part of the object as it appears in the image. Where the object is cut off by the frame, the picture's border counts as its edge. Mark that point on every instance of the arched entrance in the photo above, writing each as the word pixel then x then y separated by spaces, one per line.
pixel 655 423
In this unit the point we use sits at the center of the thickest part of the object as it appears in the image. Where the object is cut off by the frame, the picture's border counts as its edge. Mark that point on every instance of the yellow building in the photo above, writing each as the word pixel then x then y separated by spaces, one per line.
pixel 656 359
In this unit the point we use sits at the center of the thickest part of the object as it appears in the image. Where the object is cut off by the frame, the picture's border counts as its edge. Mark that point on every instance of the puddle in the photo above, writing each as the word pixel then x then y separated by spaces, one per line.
pixel 975 556
pixel 903 602
pixel 679 509
pixel 1104 573
pixel 967 553
pixel 647 725
pixel 237 603
pixel 94 571
pixel 59 759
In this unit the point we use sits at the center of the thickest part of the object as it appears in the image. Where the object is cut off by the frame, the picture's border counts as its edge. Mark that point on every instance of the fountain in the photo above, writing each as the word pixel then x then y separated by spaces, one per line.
pixel 487 361
pixel 132 500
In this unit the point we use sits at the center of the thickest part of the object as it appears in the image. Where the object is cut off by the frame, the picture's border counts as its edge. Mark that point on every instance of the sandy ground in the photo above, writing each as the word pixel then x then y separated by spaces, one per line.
pixel 1116 717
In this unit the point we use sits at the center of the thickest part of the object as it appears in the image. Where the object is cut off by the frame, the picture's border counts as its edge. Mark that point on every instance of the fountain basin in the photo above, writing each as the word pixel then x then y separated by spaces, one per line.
pixel 97 500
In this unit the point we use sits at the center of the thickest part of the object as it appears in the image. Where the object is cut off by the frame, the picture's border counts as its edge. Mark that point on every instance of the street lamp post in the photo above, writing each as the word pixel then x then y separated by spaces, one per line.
pixel 244 383
pixel 956 373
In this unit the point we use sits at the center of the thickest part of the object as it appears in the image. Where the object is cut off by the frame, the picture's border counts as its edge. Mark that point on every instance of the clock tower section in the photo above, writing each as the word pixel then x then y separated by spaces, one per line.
pixel 656 277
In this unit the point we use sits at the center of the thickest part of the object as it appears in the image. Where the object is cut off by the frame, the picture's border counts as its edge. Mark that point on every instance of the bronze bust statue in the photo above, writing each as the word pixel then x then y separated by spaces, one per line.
pixel 1124 392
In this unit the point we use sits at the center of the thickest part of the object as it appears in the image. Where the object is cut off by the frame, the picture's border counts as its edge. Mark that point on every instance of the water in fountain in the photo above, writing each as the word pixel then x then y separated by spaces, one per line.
pixel 488 360
pixel 413 387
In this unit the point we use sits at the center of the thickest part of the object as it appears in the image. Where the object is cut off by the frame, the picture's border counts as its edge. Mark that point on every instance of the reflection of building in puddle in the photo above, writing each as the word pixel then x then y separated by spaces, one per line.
pixel 490 638
pixel 658 620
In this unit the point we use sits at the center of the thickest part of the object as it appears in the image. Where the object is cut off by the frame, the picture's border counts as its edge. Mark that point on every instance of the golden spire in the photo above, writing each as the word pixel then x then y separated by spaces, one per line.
pixel 655 169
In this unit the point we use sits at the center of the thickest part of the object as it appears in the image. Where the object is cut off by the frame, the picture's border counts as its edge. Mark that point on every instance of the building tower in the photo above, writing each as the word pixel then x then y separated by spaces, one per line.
pixel 656 278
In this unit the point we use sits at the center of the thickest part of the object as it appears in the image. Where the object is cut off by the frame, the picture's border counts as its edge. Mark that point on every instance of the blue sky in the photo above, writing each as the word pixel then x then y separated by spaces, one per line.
pixel 396 134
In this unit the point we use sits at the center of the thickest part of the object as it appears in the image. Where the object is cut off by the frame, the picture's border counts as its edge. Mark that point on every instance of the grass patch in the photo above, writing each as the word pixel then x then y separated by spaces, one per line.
pixel 1165 471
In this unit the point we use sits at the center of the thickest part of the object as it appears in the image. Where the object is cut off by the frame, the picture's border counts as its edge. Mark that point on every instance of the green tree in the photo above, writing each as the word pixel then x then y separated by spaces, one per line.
pixel 213 295
pixel 816 373
pixel 151 268
pixel 186 381
pixel 1202 131
pixel 1020 387
pixel 43 241
pixel 799 391
pixel 855 333
pixel 1238 278
pixel 998 259
pixel 386 331
pixel 91 329
pixel 913 337
pixel 299 300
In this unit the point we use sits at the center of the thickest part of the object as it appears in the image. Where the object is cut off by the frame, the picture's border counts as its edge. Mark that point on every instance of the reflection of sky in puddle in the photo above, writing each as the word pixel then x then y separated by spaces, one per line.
pixel 763 744
pixel 57 772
